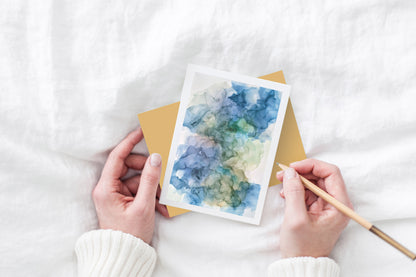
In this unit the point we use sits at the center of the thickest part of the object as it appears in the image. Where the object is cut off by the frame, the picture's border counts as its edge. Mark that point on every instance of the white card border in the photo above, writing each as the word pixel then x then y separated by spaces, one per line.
pixel 186 93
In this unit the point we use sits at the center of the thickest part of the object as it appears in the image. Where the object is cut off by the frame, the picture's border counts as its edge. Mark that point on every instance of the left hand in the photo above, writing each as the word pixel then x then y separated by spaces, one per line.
pixel 129 205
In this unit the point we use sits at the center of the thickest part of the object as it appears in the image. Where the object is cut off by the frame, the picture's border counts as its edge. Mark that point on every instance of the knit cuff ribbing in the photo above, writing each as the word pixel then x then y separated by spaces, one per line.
pixel 305 267
pixel 113 253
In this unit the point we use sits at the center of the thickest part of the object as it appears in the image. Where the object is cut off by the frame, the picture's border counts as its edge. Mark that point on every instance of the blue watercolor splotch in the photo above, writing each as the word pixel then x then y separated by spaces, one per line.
pixel 209 168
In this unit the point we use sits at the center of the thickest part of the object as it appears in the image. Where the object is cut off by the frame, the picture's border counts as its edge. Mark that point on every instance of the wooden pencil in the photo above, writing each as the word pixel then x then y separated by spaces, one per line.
pixel 353 215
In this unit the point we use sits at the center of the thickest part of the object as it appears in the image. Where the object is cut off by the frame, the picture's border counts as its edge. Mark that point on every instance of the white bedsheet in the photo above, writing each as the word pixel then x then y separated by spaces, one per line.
pixel 74 74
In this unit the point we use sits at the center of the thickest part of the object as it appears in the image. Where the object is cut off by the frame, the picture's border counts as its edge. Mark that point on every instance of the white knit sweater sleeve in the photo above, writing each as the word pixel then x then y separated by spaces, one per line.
pixel 304 267
pixel 113 253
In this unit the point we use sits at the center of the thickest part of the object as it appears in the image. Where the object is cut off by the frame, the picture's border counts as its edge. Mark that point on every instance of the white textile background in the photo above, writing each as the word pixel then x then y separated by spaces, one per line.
pixel 74 74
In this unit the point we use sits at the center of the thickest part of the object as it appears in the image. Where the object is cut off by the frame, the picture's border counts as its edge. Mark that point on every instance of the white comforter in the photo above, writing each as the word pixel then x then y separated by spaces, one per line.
pixel 74 74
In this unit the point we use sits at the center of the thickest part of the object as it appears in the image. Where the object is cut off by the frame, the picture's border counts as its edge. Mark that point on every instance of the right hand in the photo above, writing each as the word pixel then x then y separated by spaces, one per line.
pixel 311 226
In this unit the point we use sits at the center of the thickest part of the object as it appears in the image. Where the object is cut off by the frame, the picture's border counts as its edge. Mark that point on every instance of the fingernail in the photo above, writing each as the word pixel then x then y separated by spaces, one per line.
pixel 290 173
pixel 155 160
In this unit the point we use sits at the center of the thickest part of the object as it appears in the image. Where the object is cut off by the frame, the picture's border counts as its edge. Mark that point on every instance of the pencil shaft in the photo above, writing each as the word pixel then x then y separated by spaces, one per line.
pixel 392 242
pixel 334 202
pixel 353 215
pixel 337 204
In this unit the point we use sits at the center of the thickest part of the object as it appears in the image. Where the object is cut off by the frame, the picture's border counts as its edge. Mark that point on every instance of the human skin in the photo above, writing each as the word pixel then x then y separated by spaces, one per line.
pixel 311 226
pixel 128 205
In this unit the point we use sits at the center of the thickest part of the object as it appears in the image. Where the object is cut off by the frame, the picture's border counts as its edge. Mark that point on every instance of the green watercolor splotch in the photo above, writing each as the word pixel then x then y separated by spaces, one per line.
pixel 228 123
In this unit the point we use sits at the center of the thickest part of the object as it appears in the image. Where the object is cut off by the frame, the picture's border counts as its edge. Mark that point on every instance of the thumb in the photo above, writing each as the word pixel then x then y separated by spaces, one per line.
pixel 149 181
pixel 294 194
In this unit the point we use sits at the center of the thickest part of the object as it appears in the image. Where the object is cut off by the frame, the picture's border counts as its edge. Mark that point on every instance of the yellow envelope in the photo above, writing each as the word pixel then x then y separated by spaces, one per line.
pixel 159 124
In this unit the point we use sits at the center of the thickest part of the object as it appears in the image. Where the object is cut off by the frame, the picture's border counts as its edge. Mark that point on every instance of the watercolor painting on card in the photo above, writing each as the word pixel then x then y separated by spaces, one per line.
pixel 224 144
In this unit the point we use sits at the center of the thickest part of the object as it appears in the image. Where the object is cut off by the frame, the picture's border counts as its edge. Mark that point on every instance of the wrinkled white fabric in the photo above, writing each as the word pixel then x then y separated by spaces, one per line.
pixel 74 74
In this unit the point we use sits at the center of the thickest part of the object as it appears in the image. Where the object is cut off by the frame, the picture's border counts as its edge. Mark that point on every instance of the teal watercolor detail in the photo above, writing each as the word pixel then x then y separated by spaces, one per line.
pixel 229 125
